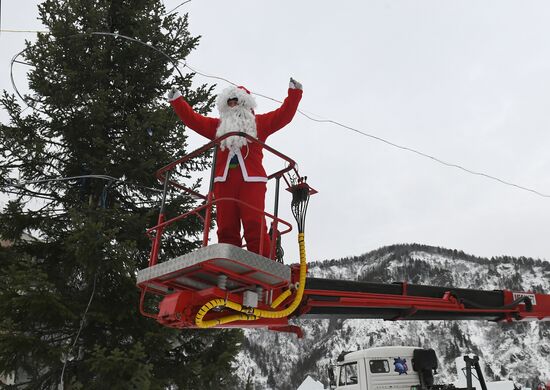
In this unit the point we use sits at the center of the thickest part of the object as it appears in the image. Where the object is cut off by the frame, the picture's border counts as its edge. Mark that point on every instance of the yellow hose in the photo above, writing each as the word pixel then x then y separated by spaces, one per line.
pixel 223 320
pixel 253 314
pixel 280 299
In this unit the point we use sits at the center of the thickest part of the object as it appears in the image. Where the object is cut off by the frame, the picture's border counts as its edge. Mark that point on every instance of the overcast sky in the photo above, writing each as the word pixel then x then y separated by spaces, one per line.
pixel 467 82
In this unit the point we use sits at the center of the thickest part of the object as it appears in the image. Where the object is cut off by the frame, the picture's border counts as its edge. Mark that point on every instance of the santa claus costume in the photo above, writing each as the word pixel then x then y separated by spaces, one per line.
pixel 239 172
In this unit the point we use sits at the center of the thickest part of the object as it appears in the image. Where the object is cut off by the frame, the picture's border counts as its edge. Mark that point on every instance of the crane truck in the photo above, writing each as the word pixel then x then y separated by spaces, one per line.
pixel 399 368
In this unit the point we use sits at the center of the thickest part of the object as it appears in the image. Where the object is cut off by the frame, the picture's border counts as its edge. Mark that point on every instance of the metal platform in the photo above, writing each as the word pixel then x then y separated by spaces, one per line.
pixel 201 269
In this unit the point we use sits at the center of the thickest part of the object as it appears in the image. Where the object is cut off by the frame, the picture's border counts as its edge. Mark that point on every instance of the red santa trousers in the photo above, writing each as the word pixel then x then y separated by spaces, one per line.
pixel 231 213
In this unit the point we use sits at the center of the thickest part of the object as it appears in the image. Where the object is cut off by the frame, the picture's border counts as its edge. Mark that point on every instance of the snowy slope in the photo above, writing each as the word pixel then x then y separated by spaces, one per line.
pixel 520 351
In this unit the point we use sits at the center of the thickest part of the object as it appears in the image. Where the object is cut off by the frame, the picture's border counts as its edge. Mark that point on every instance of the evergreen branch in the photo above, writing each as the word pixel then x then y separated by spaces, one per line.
pixel 32 193
pixel 40 210
pixel 81 324
pixel 30 212
pixel 10 164
pixel 102 177
pixel 50 141
pixel 91 94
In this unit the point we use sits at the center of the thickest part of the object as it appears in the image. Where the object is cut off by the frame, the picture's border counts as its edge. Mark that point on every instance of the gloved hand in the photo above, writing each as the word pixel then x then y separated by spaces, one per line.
pixel 294 84
pixel 173 94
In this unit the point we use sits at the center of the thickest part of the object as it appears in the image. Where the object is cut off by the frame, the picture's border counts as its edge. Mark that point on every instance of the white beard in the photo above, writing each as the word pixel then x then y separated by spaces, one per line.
pixel 240 119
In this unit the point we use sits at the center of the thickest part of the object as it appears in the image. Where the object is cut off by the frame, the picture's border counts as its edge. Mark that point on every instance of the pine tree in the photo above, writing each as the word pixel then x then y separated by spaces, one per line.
pixel 73 247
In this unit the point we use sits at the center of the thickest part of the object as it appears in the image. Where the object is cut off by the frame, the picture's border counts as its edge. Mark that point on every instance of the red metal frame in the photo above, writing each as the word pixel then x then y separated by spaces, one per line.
pixel 181 303
pixel 155 233
pixel 179 309
pixel 412 304
pixel 162 175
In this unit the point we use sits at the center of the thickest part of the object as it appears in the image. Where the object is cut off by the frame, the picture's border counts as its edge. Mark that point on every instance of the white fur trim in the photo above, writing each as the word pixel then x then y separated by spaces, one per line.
pixel 255 179
pixel 245 100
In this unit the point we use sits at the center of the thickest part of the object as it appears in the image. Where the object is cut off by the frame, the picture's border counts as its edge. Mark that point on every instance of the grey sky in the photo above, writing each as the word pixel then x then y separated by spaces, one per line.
pixel 465 81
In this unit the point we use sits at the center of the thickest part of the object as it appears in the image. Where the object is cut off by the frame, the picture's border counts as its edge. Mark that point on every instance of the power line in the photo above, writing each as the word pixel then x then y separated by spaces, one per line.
pixel 436 159
pixel 308 116
pixel 175 8
pixel 390 143
pixel 23 31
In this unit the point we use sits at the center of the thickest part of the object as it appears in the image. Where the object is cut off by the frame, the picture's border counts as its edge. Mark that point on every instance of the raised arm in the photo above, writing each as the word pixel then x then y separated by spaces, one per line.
pixel 276 120
pixel 203 125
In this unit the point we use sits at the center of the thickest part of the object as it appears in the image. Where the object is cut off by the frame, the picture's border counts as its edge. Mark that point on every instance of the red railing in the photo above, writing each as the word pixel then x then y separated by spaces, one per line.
pixel 163 175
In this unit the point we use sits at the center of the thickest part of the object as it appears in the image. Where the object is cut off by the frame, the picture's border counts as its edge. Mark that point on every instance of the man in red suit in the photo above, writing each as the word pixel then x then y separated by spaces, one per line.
pixel 239 172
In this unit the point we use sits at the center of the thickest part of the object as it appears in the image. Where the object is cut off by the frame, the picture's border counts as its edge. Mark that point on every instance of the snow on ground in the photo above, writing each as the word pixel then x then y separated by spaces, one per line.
pixel 311 384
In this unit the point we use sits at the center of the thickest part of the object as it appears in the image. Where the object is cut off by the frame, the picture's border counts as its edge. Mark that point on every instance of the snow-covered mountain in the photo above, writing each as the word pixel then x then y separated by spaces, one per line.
pixel 520 351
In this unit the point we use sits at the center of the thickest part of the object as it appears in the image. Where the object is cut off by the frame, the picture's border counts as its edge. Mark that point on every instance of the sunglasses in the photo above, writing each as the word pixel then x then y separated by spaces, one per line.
pixel 232 100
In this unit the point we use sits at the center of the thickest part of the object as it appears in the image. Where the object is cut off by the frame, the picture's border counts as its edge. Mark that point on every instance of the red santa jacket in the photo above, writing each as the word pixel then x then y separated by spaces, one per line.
pixel 250 160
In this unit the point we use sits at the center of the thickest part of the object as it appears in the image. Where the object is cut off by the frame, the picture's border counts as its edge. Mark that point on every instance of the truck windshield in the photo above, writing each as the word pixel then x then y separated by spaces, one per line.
pixel 348 374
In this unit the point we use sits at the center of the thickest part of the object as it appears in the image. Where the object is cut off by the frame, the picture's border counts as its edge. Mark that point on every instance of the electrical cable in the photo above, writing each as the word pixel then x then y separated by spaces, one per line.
pixel 102 177
pixel 112 182
pixel 111 179
pixel 14 86
pixel 97 33
pixel 23 63
pixel 23 31
pixel 173 9
pixel 300 200
pixel 79 330
pixel 34 194
pixel 308 116
pixel 390 143
pixel 174 63
pixel 437 160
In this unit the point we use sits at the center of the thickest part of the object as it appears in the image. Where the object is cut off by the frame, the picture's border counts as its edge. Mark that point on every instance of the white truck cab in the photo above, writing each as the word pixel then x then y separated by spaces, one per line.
pixel 405 368
pixel 384 368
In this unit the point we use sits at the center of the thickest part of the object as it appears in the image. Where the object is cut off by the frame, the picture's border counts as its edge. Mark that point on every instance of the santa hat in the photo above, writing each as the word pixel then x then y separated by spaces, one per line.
pixel 245 99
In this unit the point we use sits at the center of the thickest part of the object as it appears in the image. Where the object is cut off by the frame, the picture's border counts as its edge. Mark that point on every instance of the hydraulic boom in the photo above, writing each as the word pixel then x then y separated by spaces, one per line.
pixel 222 285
